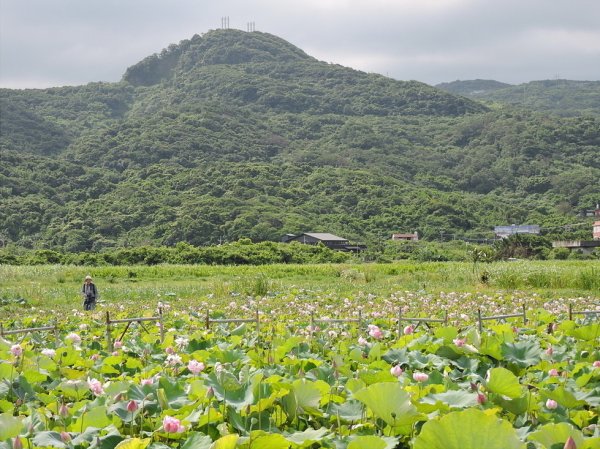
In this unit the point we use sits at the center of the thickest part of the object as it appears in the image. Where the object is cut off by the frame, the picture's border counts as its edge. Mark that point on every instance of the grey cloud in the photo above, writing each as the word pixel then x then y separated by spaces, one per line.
pixel 46 43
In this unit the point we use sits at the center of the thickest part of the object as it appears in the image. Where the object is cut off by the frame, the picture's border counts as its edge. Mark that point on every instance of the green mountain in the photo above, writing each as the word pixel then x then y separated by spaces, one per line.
pixel 565 98
pixel 472 88
pixel 234 134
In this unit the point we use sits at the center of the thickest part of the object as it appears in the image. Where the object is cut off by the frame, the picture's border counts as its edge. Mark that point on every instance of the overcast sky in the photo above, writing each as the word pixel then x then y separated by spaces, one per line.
pixel 70 42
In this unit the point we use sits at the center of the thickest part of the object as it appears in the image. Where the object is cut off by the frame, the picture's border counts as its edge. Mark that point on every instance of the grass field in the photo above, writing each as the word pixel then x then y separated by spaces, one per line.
pixel 423 288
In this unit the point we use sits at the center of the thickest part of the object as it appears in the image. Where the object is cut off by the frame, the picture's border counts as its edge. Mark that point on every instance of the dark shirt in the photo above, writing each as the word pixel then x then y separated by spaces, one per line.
pixel 90 292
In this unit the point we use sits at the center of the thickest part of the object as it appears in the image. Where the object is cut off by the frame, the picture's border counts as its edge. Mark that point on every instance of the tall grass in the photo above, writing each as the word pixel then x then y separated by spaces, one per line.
pixel 57 287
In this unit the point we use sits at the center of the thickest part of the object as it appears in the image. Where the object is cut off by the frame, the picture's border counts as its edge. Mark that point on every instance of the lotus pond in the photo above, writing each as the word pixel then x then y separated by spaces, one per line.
pixel 294 382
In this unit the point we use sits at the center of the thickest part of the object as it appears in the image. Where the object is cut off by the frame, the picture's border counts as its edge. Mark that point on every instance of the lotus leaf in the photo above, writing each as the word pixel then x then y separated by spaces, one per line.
pixel 504 382
pixel 10 426
pixel 522 353
pixel 133 443
pixel 372 442
pixel 551 434
pixel 390 402
pixel 467 429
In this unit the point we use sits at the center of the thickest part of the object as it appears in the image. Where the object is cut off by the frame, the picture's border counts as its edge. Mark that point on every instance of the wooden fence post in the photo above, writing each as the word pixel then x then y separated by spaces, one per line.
pixel 207 320
pixel 161 325
pixel 399 321
pixel 108 337
pixel 524 315
pixel 56 335
pixel 570 312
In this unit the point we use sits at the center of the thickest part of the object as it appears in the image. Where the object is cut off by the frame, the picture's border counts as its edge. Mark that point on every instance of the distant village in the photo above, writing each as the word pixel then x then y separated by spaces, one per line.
pixel 501 232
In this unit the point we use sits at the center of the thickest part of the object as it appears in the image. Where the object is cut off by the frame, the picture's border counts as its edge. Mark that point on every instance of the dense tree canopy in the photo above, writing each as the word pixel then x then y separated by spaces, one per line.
pixel 232 134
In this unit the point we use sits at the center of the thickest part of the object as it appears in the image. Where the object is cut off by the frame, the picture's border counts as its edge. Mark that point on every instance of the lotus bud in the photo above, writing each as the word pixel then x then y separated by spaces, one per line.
pixel 63 411
pixel 396 371
pixel 553 372
pixel 210 393
pixel 570 444
pixel 551 404
pixel 65 436
pixel 17 443
pixel 420 377
pixel 596 364
pixel 132 406
pixel 549 351
pixel 481 399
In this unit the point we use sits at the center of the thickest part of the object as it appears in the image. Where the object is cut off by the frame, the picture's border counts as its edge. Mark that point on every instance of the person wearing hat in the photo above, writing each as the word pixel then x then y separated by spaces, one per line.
pixel 89 293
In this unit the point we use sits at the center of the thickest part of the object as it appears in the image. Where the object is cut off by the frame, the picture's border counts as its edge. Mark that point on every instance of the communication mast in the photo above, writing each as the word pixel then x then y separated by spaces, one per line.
pixel 225 23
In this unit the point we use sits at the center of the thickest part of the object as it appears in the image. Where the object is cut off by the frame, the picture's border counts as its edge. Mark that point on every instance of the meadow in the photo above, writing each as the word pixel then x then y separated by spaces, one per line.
pixel 293 381
pixel 56 287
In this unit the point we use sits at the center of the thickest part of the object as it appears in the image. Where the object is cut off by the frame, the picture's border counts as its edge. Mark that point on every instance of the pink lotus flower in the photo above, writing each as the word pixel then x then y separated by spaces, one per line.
pixel 420 377
pixel 459 342
pixel 549 351
pixel 16 350
pixel 173 360
pixel 481 399
pixel 362 341
pixel 181 342
pixel 95 386
pixel 553 372
pixel 408 330
pixel 73 338
pixel 396 371
pixel 195 367
pixel 48 352
pixel 118 344
pixel 596 364
pixel 95 357
pixel 172 425
pixel 146 381
pixel 65 437
pixel 551 404
pixel 375 332
pixel 132 406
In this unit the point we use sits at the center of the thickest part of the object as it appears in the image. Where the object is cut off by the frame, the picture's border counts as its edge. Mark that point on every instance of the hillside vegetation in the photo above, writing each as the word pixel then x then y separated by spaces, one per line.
pixel 234 134
pixel 565 98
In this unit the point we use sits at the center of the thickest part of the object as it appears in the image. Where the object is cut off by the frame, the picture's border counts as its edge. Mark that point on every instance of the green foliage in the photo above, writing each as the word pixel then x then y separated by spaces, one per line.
pixel 559 96
pixel 523 246
pixel 242 252
pixel 235 135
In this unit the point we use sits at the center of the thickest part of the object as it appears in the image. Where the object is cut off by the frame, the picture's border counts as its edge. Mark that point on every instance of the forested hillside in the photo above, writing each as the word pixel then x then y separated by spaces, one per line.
pixel 234 134
pixel 565 98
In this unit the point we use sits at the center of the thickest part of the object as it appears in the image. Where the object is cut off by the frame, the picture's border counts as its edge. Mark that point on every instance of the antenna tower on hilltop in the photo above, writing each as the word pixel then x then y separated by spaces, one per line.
pixel 250 26
pixel 225 23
